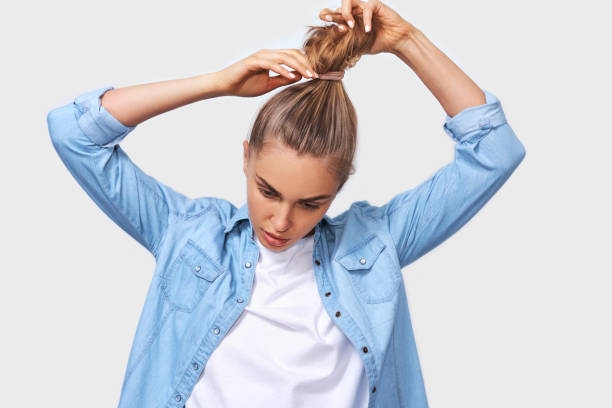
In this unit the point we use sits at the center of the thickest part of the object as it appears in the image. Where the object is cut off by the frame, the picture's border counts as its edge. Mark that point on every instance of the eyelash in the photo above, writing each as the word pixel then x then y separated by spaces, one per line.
pixel 269 194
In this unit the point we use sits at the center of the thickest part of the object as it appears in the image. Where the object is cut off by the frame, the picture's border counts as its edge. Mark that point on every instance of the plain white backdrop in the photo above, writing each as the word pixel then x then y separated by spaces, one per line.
pixel 511 311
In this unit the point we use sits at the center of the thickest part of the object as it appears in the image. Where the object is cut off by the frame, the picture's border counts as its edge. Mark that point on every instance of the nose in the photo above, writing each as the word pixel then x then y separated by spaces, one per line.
pixel 282 219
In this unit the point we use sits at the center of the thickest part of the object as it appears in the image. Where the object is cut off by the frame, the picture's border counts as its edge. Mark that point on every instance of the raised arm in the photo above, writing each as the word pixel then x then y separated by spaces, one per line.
pixel 486 149
pixel 132 105
pixel 486 153
pixel 86 135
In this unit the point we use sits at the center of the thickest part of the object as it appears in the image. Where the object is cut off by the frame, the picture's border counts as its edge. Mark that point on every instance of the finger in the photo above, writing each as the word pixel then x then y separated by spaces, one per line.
pixel 284 57
pixel 279 69
pixel 267 60
pixel 367 17
pixel 336 15
pixel 330 16
pixel 326 14
pixel 347 7
pixel 299 62
pixel 291 58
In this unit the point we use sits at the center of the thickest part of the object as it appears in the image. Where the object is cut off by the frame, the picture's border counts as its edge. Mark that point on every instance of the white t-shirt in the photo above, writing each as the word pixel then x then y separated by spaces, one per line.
pixel 284 350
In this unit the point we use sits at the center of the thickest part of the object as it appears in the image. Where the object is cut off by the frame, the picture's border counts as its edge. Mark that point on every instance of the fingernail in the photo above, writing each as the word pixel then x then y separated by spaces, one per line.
pixel 351 23
pixel 328 17
pixel 367 28
pixel 309 74
pixel 291 75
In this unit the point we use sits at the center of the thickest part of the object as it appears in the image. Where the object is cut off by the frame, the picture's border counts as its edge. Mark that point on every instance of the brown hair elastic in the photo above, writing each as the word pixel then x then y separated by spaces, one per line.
pixel 332 75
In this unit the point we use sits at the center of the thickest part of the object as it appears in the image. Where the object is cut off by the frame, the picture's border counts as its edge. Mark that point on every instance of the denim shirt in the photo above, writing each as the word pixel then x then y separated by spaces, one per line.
pixel 205 253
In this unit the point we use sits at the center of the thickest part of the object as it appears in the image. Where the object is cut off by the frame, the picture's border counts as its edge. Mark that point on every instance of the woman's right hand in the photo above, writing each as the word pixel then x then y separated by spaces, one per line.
pixel 250 77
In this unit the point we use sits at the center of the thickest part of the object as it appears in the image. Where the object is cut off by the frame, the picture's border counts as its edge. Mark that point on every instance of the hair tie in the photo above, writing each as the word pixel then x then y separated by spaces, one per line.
pixel 332 75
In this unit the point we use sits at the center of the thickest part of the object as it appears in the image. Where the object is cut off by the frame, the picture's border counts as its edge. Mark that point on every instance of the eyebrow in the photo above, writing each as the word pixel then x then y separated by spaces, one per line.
pixel 319 197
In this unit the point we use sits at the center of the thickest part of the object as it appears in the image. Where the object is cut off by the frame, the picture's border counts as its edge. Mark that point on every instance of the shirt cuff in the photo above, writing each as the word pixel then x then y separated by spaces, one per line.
pixel 96 122
pixel 475 121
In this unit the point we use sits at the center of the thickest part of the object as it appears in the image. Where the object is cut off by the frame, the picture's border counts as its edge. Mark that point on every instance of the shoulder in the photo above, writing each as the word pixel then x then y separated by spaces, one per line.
pixel 365 212
pixel 359 221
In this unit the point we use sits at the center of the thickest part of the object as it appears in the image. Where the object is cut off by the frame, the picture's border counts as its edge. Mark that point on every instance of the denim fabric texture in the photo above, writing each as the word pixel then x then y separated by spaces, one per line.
pixel 205 254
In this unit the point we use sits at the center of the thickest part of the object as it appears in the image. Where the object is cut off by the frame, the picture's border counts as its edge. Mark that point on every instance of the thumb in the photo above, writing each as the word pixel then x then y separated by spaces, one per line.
pixel 280 80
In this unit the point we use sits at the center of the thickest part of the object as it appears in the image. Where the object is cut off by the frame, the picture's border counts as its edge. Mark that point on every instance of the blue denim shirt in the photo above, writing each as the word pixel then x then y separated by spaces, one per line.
pixel 206 256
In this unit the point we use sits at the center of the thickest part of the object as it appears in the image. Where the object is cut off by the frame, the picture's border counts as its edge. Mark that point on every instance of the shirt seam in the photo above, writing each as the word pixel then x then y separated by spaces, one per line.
pixel 106 189
pixel 155 245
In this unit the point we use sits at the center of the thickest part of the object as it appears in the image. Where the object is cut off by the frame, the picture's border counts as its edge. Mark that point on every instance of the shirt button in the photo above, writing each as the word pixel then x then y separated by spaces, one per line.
pixel 365 349
pixel 338 314
pixel 374 389
pixel 197 268
pixel 196 366
pixel 362 261
pixel 239 300
pixel 178 397
pixel 317 262
pixel 248 264
pixel 216 330
pixel 328 293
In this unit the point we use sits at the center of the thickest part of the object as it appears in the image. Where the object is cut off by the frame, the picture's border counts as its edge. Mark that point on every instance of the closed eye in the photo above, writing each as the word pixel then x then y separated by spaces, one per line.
pixel 266 193
pixel 270 194
pixel 311 207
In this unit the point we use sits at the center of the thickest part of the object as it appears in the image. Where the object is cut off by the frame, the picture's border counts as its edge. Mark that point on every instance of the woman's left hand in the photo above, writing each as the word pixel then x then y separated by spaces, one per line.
pixel 390 31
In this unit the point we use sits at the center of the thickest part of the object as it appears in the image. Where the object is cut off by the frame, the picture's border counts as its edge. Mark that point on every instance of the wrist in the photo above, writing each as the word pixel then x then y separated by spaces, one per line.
pixel 211 85
pixel 407 45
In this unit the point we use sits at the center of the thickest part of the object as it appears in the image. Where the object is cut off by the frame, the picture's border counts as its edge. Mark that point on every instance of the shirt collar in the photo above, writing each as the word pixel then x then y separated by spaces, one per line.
pixel 243 214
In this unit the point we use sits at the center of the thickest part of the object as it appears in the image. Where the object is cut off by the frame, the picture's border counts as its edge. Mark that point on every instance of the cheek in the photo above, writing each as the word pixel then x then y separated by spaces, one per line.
pixel 259 206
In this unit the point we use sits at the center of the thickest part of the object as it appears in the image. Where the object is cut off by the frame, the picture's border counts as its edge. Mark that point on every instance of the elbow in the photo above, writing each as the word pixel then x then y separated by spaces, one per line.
pixel 518 154
pixel 511 151
pixel 54 124
pixel 514 157
pixel 61 123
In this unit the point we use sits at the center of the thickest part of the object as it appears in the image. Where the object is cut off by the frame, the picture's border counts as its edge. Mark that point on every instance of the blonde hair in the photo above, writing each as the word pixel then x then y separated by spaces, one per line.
pixel 317 117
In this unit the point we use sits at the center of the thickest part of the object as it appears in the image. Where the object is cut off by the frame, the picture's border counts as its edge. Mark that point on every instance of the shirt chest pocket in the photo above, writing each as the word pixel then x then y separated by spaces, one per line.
pixel 189 276
pixel 372 270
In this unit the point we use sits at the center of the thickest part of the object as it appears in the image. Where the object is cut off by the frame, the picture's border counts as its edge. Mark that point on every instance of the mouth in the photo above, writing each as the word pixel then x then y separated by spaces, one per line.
pixel 274 240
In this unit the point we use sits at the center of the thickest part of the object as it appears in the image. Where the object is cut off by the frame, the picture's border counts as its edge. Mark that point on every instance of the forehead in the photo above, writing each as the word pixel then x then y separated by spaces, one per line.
pixel 294 176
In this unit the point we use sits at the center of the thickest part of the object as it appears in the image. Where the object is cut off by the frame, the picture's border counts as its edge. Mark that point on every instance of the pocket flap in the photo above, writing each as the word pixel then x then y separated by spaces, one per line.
pixel 363 255
pixel 201 264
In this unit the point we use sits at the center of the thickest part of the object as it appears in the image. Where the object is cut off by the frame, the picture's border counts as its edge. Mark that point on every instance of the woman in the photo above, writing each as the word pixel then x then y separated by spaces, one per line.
pixel 275 303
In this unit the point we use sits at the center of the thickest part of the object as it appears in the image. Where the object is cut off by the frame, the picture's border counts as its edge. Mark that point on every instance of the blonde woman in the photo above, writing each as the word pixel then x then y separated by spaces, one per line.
pixel 275 303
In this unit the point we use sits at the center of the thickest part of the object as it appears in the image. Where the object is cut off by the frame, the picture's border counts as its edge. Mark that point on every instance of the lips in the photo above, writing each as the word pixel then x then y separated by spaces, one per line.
pixel 277 237
pixel 273 240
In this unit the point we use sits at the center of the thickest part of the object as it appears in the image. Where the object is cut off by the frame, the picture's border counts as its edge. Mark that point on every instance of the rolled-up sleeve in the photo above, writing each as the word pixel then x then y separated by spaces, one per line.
pixel 487 152
pixel 86 137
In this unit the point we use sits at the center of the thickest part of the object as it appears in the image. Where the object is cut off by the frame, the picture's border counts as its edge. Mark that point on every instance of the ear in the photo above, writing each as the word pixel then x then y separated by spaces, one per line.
pixel 245 157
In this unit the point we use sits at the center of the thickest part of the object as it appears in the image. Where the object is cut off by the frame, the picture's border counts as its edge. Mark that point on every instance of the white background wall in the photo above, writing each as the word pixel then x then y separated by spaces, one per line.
pixel 511 311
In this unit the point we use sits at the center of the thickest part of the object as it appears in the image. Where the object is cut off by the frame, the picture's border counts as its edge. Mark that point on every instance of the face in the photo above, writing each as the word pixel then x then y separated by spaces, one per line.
pixel 287 195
